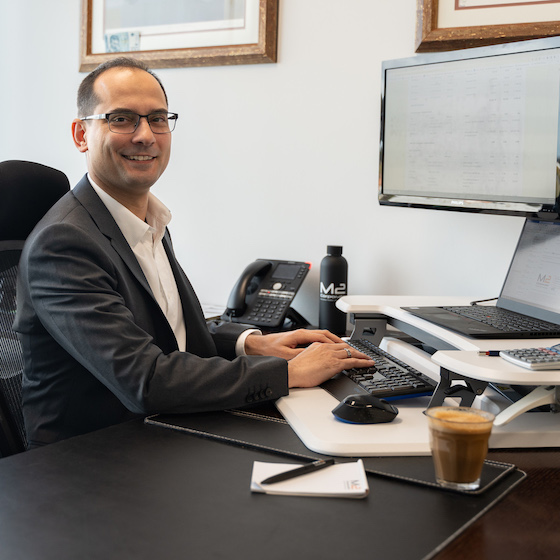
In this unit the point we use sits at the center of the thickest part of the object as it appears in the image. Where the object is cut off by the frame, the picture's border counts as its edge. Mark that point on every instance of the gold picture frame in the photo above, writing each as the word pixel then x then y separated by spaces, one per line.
pixel 432 38
pixel 264 50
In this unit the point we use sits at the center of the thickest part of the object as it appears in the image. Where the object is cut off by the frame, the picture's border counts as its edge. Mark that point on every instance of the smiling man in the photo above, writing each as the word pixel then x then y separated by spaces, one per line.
pixel 110 326
pixel 125 154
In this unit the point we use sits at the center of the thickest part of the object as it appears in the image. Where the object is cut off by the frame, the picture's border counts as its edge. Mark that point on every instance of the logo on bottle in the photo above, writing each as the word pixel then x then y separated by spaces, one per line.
pixel 332 292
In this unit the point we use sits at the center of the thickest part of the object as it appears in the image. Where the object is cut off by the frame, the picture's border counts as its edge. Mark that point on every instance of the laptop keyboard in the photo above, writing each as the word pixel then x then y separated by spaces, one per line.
pixel 390 378
pixel 503 319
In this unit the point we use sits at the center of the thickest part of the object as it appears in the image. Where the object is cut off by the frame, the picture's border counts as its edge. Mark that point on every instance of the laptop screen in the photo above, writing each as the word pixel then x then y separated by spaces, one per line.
pixel 532 284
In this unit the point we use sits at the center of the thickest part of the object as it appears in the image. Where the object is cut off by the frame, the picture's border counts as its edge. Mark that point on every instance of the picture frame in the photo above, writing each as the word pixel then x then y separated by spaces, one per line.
pixel 164 50
pixel 433 37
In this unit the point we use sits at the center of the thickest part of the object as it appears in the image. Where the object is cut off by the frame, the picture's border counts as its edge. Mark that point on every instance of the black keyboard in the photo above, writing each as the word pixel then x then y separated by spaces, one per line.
pixel 389 379
pixel 503 319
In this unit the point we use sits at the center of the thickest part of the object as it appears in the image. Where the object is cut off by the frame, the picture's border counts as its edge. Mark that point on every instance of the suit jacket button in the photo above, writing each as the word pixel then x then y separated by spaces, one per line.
pixel 268 392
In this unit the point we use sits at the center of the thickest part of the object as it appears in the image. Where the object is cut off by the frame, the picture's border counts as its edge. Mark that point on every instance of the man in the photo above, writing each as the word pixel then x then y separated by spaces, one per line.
pixel 110 326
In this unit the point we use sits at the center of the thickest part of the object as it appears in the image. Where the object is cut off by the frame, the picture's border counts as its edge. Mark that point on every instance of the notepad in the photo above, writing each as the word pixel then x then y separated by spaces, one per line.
pixel 342 480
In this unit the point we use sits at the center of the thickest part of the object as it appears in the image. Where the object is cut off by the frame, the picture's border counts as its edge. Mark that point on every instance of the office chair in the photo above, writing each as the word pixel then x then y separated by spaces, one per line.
pixel 27 191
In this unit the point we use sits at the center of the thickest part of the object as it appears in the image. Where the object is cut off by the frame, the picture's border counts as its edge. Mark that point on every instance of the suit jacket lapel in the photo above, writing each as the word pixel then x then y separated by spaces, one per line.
pixel 87 196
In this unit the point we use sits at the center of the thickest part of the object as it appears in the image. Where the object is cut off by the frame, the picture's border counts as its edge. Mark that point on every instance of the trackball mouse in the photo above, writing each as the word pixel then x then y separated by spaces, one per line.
pixel 365 409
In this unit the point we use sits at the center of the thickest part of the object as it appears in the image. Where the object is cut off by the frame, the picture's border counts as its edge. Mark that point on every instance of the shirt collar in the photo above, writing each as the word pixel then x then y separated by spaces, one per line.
pixel 131 226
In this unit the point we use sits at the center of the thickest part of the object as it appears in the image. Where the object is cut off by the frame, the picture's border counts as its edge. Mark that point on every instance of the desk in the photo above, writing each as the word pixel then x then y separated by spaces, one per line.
pixel 524 525
pixel 139 492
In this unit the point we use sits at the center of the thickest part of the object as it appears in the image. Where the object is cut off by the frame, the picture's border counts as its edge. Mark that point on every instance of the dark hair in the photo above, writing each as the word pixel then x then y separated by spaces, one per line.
pixel 88 100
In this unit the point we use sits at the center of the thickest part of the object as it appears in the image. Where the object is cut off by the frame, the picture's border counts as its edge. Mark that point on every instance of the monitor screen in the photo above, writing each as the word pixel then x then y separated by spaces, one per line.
pixel 473 130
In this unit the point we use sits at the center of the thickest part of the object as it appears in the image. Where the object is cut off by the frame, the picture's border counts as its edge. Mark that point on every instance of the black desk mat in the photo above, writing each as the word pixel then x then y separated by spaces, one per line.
pixel 274 435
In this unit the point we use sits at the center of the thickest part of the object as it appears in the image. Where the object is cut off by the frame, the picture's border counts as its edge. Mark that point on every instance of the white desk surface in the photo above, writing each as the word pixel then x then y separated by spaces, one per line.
pixel 308 411
pixel 493 368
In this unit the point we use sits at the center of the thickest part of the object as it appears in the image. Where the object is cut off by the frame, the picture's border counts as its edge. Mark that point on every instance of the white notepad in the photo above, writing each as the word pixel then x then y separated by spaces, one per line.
pixel 341 480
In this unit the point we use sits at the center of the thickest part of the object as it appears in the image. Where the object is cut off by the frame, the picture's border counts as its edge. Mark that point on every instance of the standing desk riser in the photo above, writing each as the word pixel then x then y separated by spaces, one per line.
pixel 457 360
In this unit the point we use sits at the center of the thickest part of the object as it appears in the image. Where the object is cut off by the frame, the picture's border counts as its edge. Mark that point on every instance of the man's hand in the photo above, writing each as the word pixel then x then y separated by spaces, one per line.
pixel 320 362
pixel 287 344
pixel 314 356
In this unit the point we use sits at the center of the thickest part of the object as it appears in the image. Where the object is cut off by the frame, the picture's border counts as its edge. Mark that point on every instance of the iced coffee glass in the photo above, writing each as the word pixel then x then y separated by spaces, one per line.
pixel 459 443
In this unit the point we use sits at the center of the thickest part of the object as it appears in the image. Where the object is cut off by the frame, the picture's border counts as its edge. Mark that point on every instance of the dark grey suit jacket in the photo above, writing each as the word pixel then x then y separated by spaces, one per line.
pixel 98 349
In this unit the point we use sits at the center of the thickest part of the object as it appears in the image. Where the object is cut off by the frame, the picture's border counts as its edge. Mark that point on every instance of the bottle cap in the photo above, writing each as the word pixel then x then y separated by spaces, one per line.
pixel 334 250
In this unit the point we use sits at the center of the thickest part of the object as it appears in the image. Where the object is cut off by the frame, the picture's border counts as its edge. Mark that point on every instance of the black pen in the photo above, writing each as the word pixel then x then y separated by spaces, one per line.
pixel 315 466
pixel 489 353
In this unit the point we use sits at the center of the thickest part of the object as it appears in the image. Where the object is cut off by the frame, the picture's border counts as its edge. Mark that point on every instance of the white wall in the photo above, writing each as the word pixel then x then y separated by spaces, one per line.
pixel 269 160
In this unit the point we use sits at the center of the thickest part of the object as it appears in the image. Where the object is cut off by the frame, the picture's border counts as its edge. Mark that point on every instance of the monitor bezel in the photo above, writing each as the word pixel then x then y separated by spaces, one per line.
pixel 457 204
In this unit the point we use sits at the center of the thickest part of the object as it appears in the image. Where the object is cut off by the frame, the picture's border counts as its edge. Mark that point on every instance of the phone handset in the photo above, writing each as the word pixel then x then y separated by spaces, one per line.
pixel 237 302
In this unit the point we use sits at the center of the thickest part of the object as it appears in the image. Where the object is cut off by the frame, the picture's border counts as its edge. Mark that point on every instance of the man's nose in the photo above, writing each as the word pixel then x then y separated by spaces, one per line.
pixel 143 131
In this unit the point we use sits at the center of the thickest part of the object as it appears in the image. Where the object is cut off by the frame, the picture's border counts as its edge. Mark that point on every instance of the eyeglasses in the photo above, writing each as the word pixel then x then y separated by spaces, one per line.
pixel 127 123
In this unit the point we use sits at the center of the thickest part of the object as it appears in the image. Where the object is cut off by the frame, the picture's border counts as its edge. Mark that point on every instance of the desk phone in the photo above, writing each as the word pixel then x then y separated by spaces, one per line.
pixel 264 292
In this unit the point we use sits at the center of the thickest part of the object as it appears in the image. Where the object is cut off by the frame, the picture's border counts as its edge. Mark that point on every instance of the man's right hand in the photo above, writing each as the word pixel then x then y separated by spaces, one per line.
pixel 320 362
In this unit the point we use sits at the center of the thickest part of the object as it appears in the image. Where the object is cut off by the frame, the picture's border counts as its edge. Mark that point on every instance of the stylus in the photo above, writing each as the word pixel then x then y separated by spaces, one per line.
pixel 315 466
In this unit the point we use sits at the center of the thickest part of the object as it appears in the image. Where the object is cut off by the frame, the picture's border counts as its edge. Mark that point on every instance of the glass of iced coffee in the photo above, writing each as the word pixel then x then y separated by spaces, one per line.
pixel 459 443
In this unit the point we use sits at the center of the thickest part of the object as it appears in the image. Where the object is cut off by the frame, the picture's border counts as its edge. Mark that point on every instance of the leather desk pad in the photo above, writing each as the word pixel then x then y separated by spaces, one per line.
pixel 244 428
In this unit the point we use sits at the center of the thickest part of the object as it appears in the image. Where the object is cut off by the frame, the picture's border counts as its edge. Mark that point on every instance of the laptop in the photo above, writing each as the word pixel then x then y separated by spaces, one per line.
pixel 529 303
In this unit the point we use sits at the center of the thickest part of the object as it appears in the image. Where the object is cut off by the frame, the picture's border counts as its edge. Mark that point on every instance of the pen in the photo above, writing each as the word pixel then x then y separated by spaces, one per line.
pixel 315 466
pixel 489 353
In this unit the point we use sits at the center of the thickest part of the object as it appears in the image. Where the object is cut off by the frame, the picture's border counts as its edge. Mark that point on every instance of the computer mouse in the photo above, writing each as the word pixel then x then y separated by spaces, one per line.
pixel 365 409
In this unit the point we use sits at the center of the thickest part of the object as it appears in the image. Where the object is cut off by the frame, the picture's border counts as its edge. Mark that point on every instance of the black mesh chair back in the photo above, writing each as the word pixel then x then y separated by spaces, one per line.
pixel 27 191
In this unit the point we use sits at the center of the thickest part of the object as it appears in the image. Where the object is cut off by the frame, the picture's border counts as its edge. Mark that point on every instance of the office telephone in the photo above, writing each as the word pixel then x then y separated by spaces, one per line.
pixel 264 292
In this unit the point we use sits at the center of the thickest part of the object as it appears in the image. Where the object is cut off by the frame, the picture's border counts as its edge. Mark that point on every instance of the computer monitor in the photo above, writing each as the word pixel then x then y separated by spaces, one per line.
pixel 473 130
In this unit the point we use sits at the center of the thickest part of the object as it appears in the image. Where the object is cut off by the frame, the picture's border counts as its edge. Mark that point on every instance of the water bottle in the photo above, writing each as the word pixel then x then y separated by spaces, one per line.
pixel 333 285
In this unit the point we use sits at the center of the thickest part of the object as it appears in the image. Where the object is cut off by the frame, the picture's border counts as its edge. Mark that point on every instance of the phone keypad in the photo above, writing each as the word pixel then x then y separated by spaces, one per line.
pixel 269 310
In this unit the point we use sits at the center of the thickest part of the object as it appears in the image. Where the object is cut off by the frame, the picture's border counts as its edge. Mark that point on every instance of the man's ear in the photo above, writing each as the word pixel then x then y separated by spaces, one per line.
pixel 79 135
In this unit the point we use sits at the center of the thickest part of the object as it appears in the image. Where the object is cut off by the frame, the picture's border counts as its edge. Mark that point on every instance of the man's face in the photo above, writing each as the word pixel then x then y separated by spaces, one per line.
pixel 125 164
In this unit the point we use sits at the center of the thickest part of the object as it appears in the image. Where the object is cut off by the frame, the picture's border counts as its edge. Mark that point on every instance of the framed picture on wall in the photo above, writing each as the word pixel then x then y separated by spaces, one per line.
pixel 171 33
pixel 443 25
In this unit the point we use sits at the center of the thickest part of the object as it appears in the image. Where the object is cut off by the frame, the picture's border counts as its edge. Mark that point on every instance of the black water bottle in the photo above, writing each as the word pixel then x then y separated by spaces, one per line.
pixel 333 285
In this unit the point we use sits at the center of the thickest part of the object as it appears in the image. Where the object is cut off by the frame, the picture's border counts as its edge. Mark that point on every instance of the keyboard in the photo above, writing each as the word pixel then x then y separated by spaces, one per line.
pixel 389 379
pixel 503 319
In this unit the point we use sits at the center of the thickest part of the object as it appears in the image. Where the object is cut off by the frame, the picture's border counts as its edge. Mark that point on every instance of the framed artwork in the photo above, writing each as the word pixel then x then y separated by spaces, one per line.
pixel 174 33
pixel 444 25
